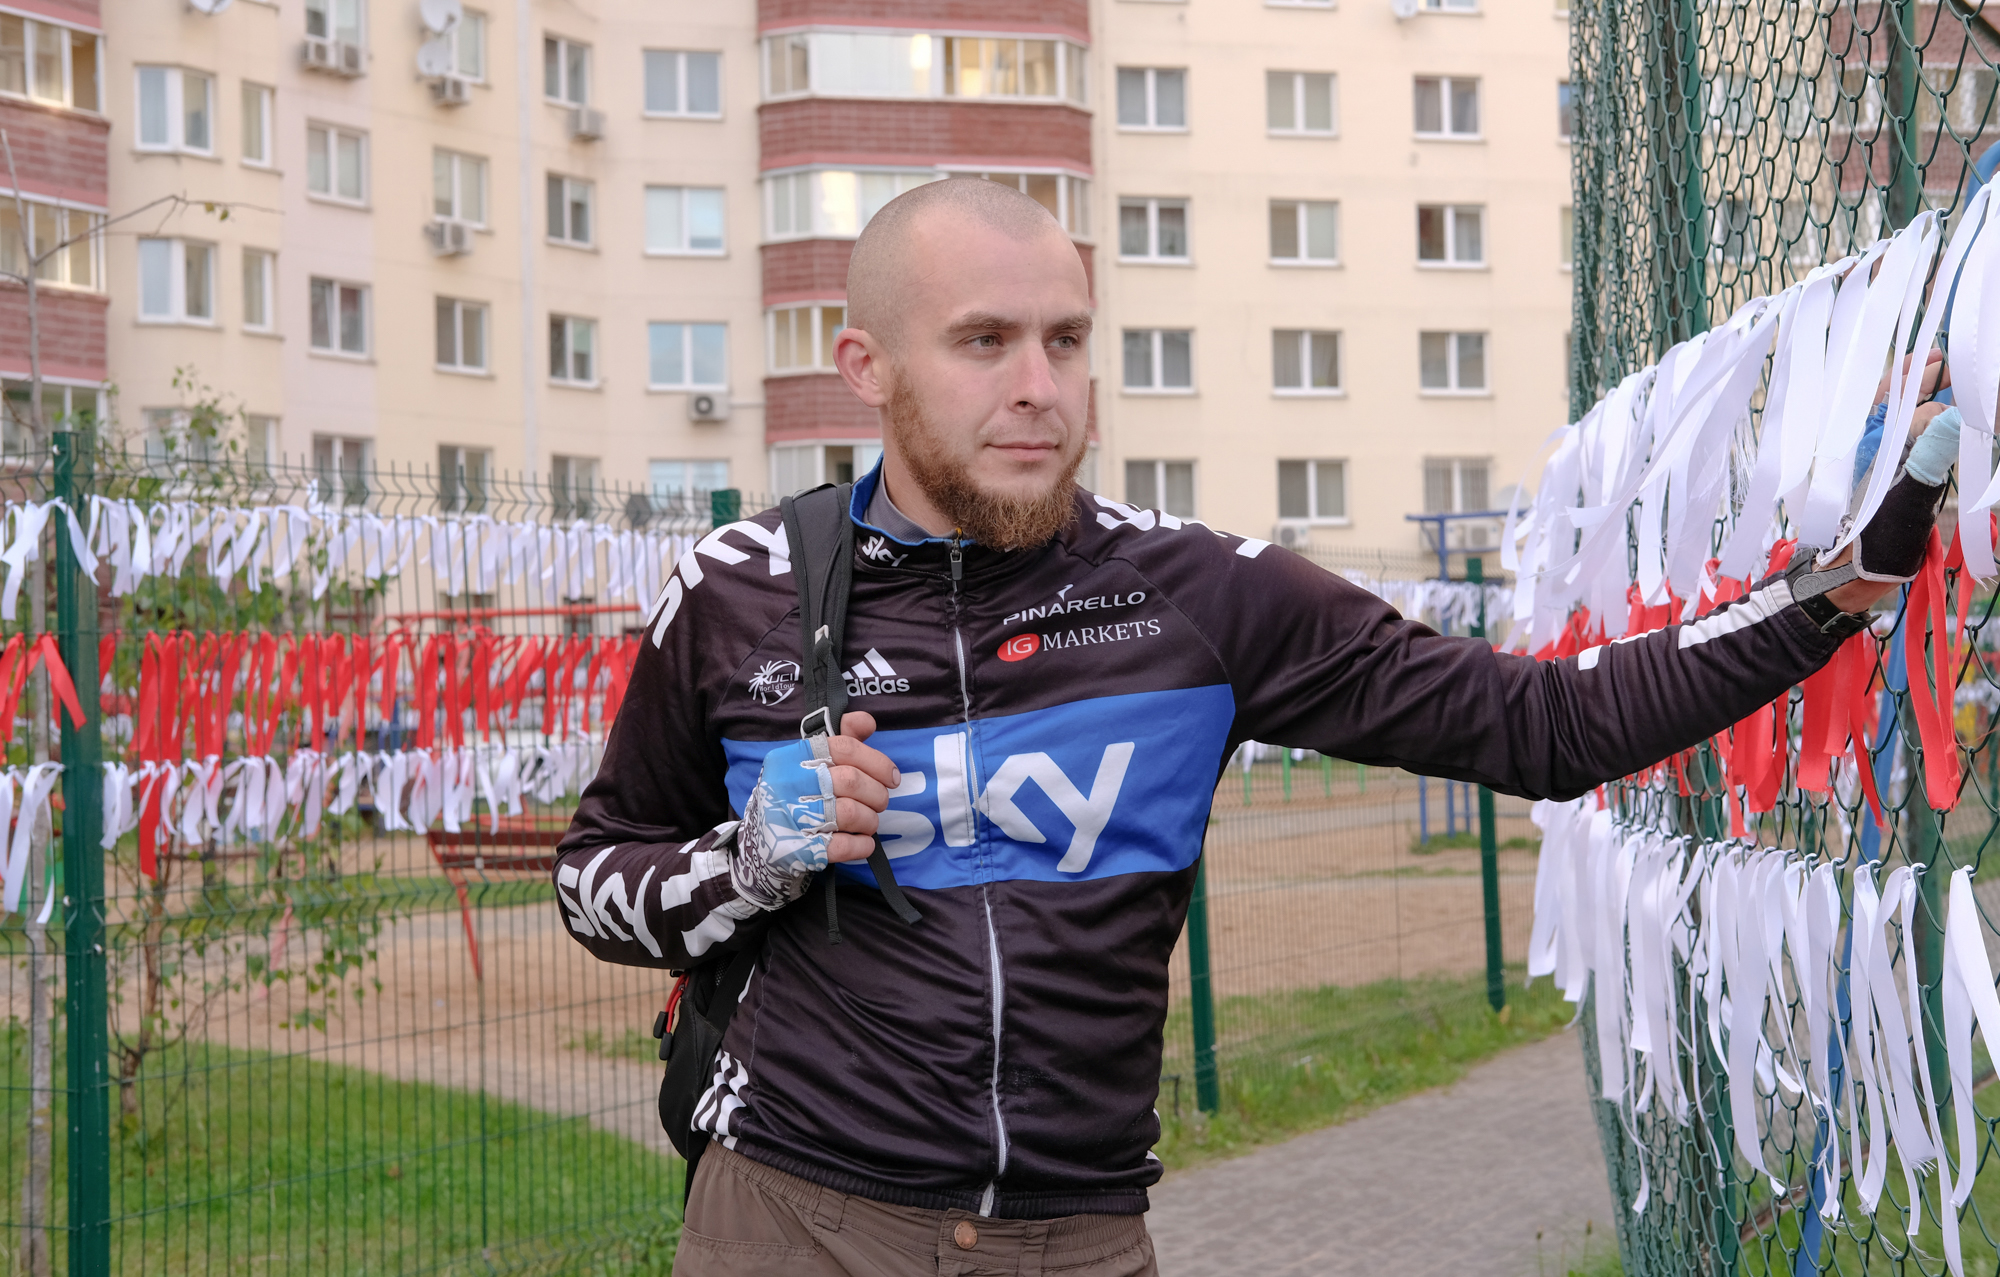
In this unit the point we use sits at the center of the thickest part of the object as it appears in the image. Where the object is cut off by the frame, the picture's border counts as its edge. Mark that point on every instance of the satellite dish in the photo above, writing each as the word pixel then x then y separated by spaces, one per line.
pixel 209 7
pixel 1403 9
pixel 440 16
pixel 434 58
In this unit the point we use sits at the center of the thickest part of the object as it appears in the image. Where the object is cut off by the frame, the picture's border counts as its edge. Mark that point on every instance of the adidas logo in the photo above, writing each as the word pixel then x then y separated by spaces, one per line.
pixel 873 676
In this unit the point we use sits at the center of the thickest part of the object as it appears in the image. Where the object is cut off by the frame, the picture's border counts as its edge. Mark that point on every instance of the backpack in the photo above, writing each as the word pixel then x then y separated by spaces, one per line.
pixel 691 1025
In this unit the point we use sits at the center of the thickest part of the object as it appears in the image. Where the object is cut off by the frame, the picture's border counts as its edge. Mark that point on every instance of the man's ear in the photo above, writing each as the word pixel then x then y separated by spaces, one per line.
pixel 858 356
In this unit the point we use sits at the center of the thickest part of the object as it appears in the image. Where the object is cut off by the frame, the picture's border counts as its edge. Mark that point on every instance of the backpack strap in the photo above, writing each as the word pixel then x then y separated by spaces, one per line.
pixel 820 536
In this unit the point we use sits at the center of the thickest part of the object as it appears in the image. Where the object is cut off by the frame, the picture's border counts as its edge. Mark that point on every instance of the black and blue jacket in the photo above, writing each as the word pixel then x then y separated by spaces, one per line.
pixel 1060 717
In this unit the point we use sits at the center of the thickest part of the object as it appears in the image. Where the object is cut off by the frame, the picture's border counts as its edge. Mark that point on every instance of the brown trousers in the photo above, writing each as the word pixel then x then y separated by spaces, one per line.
pixel 747 1218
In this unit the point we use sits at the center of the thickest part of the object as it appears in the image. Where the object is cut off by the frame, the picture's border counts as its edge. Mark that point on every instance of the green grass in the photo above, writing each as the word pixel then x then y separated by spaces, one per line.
pixel 628 1045
pixel 1467 841
pixel 1299 1060
pixel 246 1163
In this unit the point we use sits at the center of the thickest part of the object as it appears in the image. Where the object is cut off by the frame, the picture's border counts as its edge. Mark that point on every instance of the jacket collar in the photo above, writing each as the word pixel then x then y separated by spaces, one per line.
pixel 878 549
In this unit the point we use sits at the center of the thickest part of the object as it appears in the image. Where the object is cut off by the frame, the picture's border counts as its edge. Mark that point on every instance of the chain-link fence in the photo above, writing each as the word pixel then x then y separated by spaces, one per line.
pixel 1721 152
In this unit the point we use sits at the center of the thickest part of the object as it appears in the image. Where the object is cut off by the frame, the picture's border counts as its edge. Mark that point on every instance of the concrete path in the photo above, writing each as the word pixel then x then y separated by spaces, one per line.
pixel 1459 1181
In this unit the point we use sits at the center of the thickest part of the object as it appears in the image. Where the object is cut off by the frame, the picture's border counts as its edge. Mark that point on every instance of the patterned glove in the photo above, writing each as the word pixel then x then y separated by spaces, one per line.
pixel 787 827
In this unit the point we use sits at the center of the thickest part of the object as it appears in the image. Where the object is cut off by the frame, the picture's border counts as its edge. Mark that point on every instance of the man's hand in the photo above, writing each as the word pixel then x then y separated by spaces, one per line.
pixel 811 809
pixel 1860 595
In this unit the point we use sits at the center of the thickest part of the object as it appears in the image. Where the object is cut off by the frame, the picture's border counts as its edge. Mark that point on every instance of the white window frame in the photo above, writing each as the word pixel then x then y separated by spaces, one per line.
pixel 339 448
pixel 471 28
pixel 1444 85
pixel 176 108
pixel 1152 124
pixel 460 308
pixel 1453 390
pixel 463 488
pixel 1458 7
pixel 267 113
pixel 687 328
pixel 563 96
pixel 1313 517
pixel 1299 215
pixel 1452 212
pixel 570 325
pixel 177 274
pixel 684 193
pixel 1064 50
pixel 1305 340
pixel 1152 205
pixel 1158 338
pixel 1299 4
pixel 267 282
pixel 1298 128
pixel 690 492
pixel 680 57
pixel 1160 465
pixel 332 135
pixel 31 29
pixel 459 161
pixel 330 15
pixel 570 186
pixel 67 213
pixel 822 350
pixel 1072 66
pixel 1459 465
pixel 810 190
pixel 335 288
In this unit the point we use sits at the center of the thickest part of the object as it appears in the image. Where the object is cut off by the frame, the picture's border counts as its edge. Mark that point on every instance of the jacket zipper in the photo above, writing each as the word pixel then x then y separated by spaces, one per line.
pixel 992 935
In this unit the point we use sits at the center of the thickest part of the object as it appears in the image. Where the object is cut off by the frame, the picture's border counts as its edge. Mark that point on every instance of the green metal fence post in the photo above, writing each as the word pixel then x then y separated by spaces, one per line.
pixel 1489 842
pixel 1201 995
pixel 1286 767
pixel 1901 83
pixel 85 1000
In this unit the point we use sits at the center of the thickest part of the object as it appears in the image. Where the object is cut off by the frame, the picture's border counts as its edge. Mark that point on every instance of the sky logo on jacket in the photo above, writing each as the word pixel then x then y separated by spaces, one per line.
pixel 1090 789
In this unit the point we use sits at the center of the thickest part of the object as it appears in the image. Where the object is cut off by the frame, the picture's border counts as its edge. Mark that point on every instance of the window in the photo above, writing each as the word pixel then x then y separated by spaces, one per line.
pixel 985 67
pixel 832 201
pixel 336 164
pixel 1161 485
pixel 1152 230
pixel 458 186
pixel 60 404
pixel 339 317
pixel 1565 111
pixel 1451 235
pixel 1305 232
pixel 688 356
pixel 468 47
pixel 462 478
pixel 1067 198
pixel 1152 98
pixel 570 201
pixel 334 20
pixel 1299 102
pixel 572 485
pixel 176 281
pixel 1566 229
pixel 1159 359
pixel 461 335
pixel 1452 363
pixel 260 439
pixel 260 314
pixel 176 110
pixel 572 350
pixel 802 337
pixel 869 64
pixel 679 83
pixel 684 219
pixel 63 239
pixel 256 125
pixel 675 482
pixel 341 466
pixel 565 71
pixel 1447 106
pixel 1451 6
pixel 1455 485
pixel 1315 491
pixel 1305 363
pixel 48 63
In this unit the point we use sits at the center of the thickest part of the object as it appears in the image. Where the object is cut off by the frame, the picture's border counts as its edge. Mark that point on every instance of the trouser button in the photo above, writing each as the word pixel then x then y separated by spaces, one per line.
pixel 965 1235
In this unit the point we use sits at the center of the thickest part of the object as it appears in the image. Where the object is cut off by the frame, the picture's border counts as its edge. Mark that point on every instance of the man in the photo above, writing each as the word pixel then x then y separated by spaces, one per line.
pixel 1048 684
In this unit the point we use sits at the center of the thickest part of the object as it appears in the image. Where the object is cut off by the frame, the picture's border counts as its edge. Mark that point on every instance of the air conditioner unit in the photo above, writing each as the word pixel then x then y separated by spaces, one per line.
pixel 451 90
pixel 708 405
pixel 353 60
pixel 449 238
pixel 1475 536
pixel 585 124
pixel 320 54
pixel 1293 536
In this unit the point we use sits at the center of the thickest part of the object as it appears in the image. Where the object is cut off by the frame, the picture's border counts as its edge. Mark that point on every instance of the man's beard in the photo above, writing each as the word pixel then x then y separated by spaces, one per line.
pixel 1003 522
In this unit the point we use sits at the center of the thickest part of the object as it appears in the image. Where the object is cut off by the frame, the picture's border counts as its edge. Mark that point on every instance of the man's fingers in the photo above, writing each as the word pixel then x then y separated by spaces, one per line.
pixel 1925 414
pixel 858 785
pixel 842 848
pixel 858 723
pixel 849 752
pixel 1933 370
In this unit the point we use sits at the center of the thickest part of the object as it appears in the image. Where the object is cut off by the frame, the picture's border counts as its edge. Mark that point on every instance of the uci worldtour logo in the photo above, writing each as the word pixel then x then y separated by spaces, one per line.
pixel 774 681
pixel 1065 605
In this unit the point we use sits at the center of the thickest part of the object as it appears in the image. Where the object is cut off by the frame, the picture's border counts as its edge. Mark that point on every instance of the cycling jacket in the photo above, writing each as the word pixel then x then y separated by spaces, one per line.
pixel 1060 717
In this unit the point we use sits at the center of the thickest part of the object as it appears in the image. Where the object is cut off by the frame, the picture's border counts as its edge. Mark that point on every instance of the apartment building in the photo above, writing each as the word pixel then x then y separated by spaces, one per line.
pixel 1339 292
pixel 52 198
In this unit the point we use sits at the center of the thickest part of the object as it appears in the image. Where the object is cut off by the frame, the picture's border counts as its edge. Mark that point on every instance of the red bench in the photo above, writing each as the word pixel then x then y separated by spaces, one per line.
pixel 521 844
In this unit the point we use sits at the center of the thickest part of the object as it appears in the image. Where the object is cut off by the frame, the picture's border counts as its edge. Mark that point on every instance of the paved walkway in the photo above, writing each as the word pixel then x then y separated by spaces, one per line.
pixel 1458 1181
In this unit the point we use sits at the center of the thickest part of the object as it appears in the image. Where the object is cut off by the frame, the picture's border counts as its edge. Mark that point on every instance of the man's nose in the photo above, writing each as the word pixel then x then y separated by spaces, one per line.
pixel 1035 388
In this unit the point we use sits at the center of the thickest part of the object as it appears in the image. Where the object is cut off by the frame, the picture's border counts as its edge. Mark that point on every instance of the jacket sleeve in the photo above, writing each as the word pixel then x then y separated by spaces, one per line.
pixel 642 876
pixel 1316 662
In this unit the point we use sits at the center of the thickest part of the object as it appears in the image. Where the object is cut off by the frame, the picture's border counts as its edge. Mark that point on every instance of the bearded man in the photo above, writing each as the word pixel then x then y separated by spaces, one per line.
pixel 1054 681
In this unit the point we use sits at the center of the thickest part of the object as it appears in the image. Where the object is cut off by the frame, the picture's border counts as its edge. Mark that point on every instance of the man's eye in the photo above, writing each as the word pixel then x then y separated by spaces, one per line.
pixel 1067 341
pixel 986 341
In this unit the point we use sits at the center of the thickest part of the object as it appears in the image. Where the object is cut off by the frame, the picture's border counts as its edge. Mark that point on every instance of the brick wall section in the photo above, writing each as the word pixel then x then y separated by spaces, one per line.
pixel 806 269
pixel 83 13
pixel 976 15
pixel 56 153
pixel 72 332
pixel 810 129
pixel 818 406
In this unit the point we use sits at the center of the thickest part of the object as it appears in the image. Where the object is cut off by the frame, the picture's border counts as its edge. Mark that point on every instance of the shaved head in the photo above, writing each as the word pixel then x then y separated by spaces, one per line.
pixel 879 271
